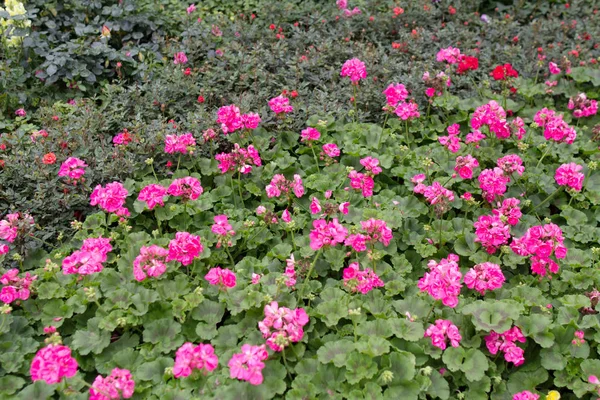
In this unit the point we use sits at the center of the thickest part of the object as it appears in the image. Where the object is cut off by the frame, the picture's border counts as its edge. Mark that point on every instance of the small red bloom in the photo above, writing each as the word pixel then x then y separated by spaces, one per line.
pixel 55 117
pixel 201 99
pixel 294 94
pixel 272 27
pixel 503 72
pixel 187 71
pixel 451 10
pixel 49 158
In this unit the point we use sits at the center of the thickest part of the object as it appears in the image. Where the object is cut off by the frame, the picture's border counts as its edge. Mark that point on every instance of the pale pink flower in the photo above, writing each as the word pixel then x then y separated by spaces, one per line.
pixel 362 281
pixel 282 326
pixel 191 8
pixel 450 54
pixel 180 58
pixel 15 288
pixel 150 262
pixel 256 278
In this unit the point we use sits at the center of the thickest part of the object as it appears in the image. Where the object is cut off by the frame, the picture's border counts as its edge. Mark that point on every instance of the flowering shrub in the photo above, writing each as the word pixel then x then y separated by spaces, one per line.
pixel 400 238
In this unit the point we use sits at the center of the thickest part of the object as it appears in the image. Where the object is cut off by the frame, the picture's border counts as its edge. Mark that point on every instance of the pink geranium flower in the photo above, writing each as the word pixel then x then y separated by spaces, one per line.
pixel 442 282
pixel 184 248
pixel 282 326
pixel 441 332
pixel 73 168
pixel 153 195
pixel 119 384
pixel 150 262
pixel 110 198
pixel 222 277
pixel 354 69
pixel 187 188
pixel 248 364
pixel 362 281
pixel 484 277
pixel 569 175
pixel 280 105
pixel 190 357
pixel 53 363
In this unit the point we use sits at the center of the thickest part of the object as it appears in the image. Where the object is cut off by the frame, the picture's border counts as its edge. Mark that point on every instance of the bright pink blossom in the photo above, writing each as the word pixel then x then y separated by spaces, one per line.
pixel 493 183
pixel 442 282
pixel 395 93
pixel 441 332
pixel 290 272
pixel 248 364
pixel 363 182
pixel 407 110
pixel 280 105
pixel 240 159
pixel 188 188
pixel 505 342
pixel 465 165
pixel 331 150
pixel 179 143
pixel 493 116
pixel 119 384
pixel 110 198
pixel 484 277
pixel 73 168
pixel 541 242
pixel 279 184
pixel 569 175
pixel 15 288
pixel 371 164
pixel 525 395
pixel 282 326
pixel 452 141
pixel 153 195
pixel 354 69
pixel 555 128
pixel 362 281
pixel 190 357
pixel 180 58
pixel 52 363
pixel 14 223
pixel 491 232
pixel 582 106
pixel 184 248
pixel 327 233
pixel 509 211
pixel 150 262
pixel 309 134
pixel 554 70
pixel 450 54
pixel 222 277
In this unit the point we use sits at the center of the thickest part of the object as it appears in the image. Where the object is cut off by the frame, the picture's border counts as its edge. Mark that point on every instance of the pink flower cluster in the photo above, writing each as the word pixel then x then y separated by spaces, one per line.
pixel 239 159
pixel 554 70
pixel 450 54
pixel 309 135
pixel 248 364
pixel 179 143
pixel 119 384
pixel 493 116
pixel 52 363
pixel 190 357
pixel 331 150
pixel 188 188
pixel 327 233
pixel 15 288
pixel 493 183
pixel 375 230
pixel 354 69
pixel 484 277
pixel 280 105
pixel 491 232
pixel 290 272
pixel 72 168
pixel 407 110
pixel 231 119
pixel 89 258
pixel 184 248
pixel 363 182
pixel 395 93
pixel 223 277
pixel 505 342
pixel 150 262
pixel 222 229
pixel 510 164
pixel 180 58
pixel 362 281
pixel 569 175
pixel 153 195
pixel 509 211
pixel 525 395
pixel 465 165
pixel 452 141
pixel 281 185
pixel 436 194
pixel 582 106
pixel 555 128
pixel 122 138
pixel 12 224
pixel 371 164
pixel 540 242
pixel 441 332
pixel 110 198
pixel 282 326
pixel 442 282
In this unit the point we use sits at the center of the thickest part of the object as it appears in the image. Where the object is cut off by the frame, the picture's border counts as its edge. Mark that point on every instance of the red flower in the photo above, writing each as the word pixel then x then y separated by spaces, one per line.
pixel 49 158
pixel 187 71
pixel 272 27
pixel 1 163
pixel 294 94
pixel 503 72
pixel 55 117
pixel 467 63
pixel 451 10
pixel 200 99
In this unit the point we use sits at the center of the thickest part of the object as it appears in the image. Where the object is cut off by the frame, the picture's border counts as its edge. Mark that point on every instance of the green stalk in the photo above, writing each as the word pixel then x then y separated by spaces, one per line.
pixel 310 270
pixel 316 159
pixel 547 198
pixel 544 155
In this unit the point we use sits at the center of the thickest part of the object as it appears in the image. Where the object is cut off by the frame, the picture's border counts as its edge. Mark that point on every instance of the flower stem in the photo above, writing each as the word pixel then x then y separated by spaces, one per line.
pixel 310 270
pixel 355 103
pixel 547 198
pixel 240 188
pixel 430 311
pixel 230 257
pixel 178 161
pixel 316 159
pixel 383 129
pixel 544 155
pixel 287 369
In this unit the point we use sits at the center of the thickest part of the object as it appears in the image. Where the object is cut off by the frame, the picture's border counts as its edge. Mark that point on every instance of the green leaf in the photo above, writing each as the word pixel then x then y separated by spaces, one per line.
pixel 374 346
pixel 154 370
pixel 439 386
pixel 402 364
pixel 9 384
pixel 495 316
pixel 164 332
pixel 407 330
pixel 91 340
pixel 37 390
pixel 336 352
pixel 359 366
pixel 472 362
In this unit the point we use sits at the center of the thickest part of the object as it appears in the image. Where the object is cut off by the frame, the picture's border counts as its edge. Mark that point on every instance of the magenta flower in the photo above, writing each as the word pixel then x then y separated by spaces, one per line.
pixel 191 8
pixel 239 159
pixel 555 128
pixel 189 358
pixel 362 281
pixel 493 116
pixel 180 143
pixel 450 54
pixel 407 110
pixel 15 288
pixel 73 168
pixel 279 185
pixel 110 198
pixel 493 183
pixel 282 326
pixel 395 93
pixel 290 271
pixel 315 206
pixel 248 364
pixel 510 164
pixel 184 248
pixel 491 232
pixel 13 223
pixel 119 384
pixel 187 188
pixel 354 69
pixel 484 277
pixel 569 175
pixel 442 282
pixel 509 211
pixel 150 262
pixel 180 58
pixel 52 363
pixel 554 70
pixel 223 277
pixel 230 118
pixel 153 195
pixel 280 105
pixel 465 166
pixel 505 342
pixel 441 331
pixel 309 134
pixel 89 258
pixel 525 395
pixel 331 150
pixel 452 141
pixel 327 233
pixel 541 242
pixel 20 112
pixel 582 106
pixel 362 182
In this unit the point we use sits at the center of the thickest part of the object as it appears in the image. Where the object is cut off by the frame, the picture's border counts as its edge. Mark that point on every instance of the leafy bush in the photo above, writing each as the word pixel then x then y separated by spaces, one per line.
pixel 422 261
